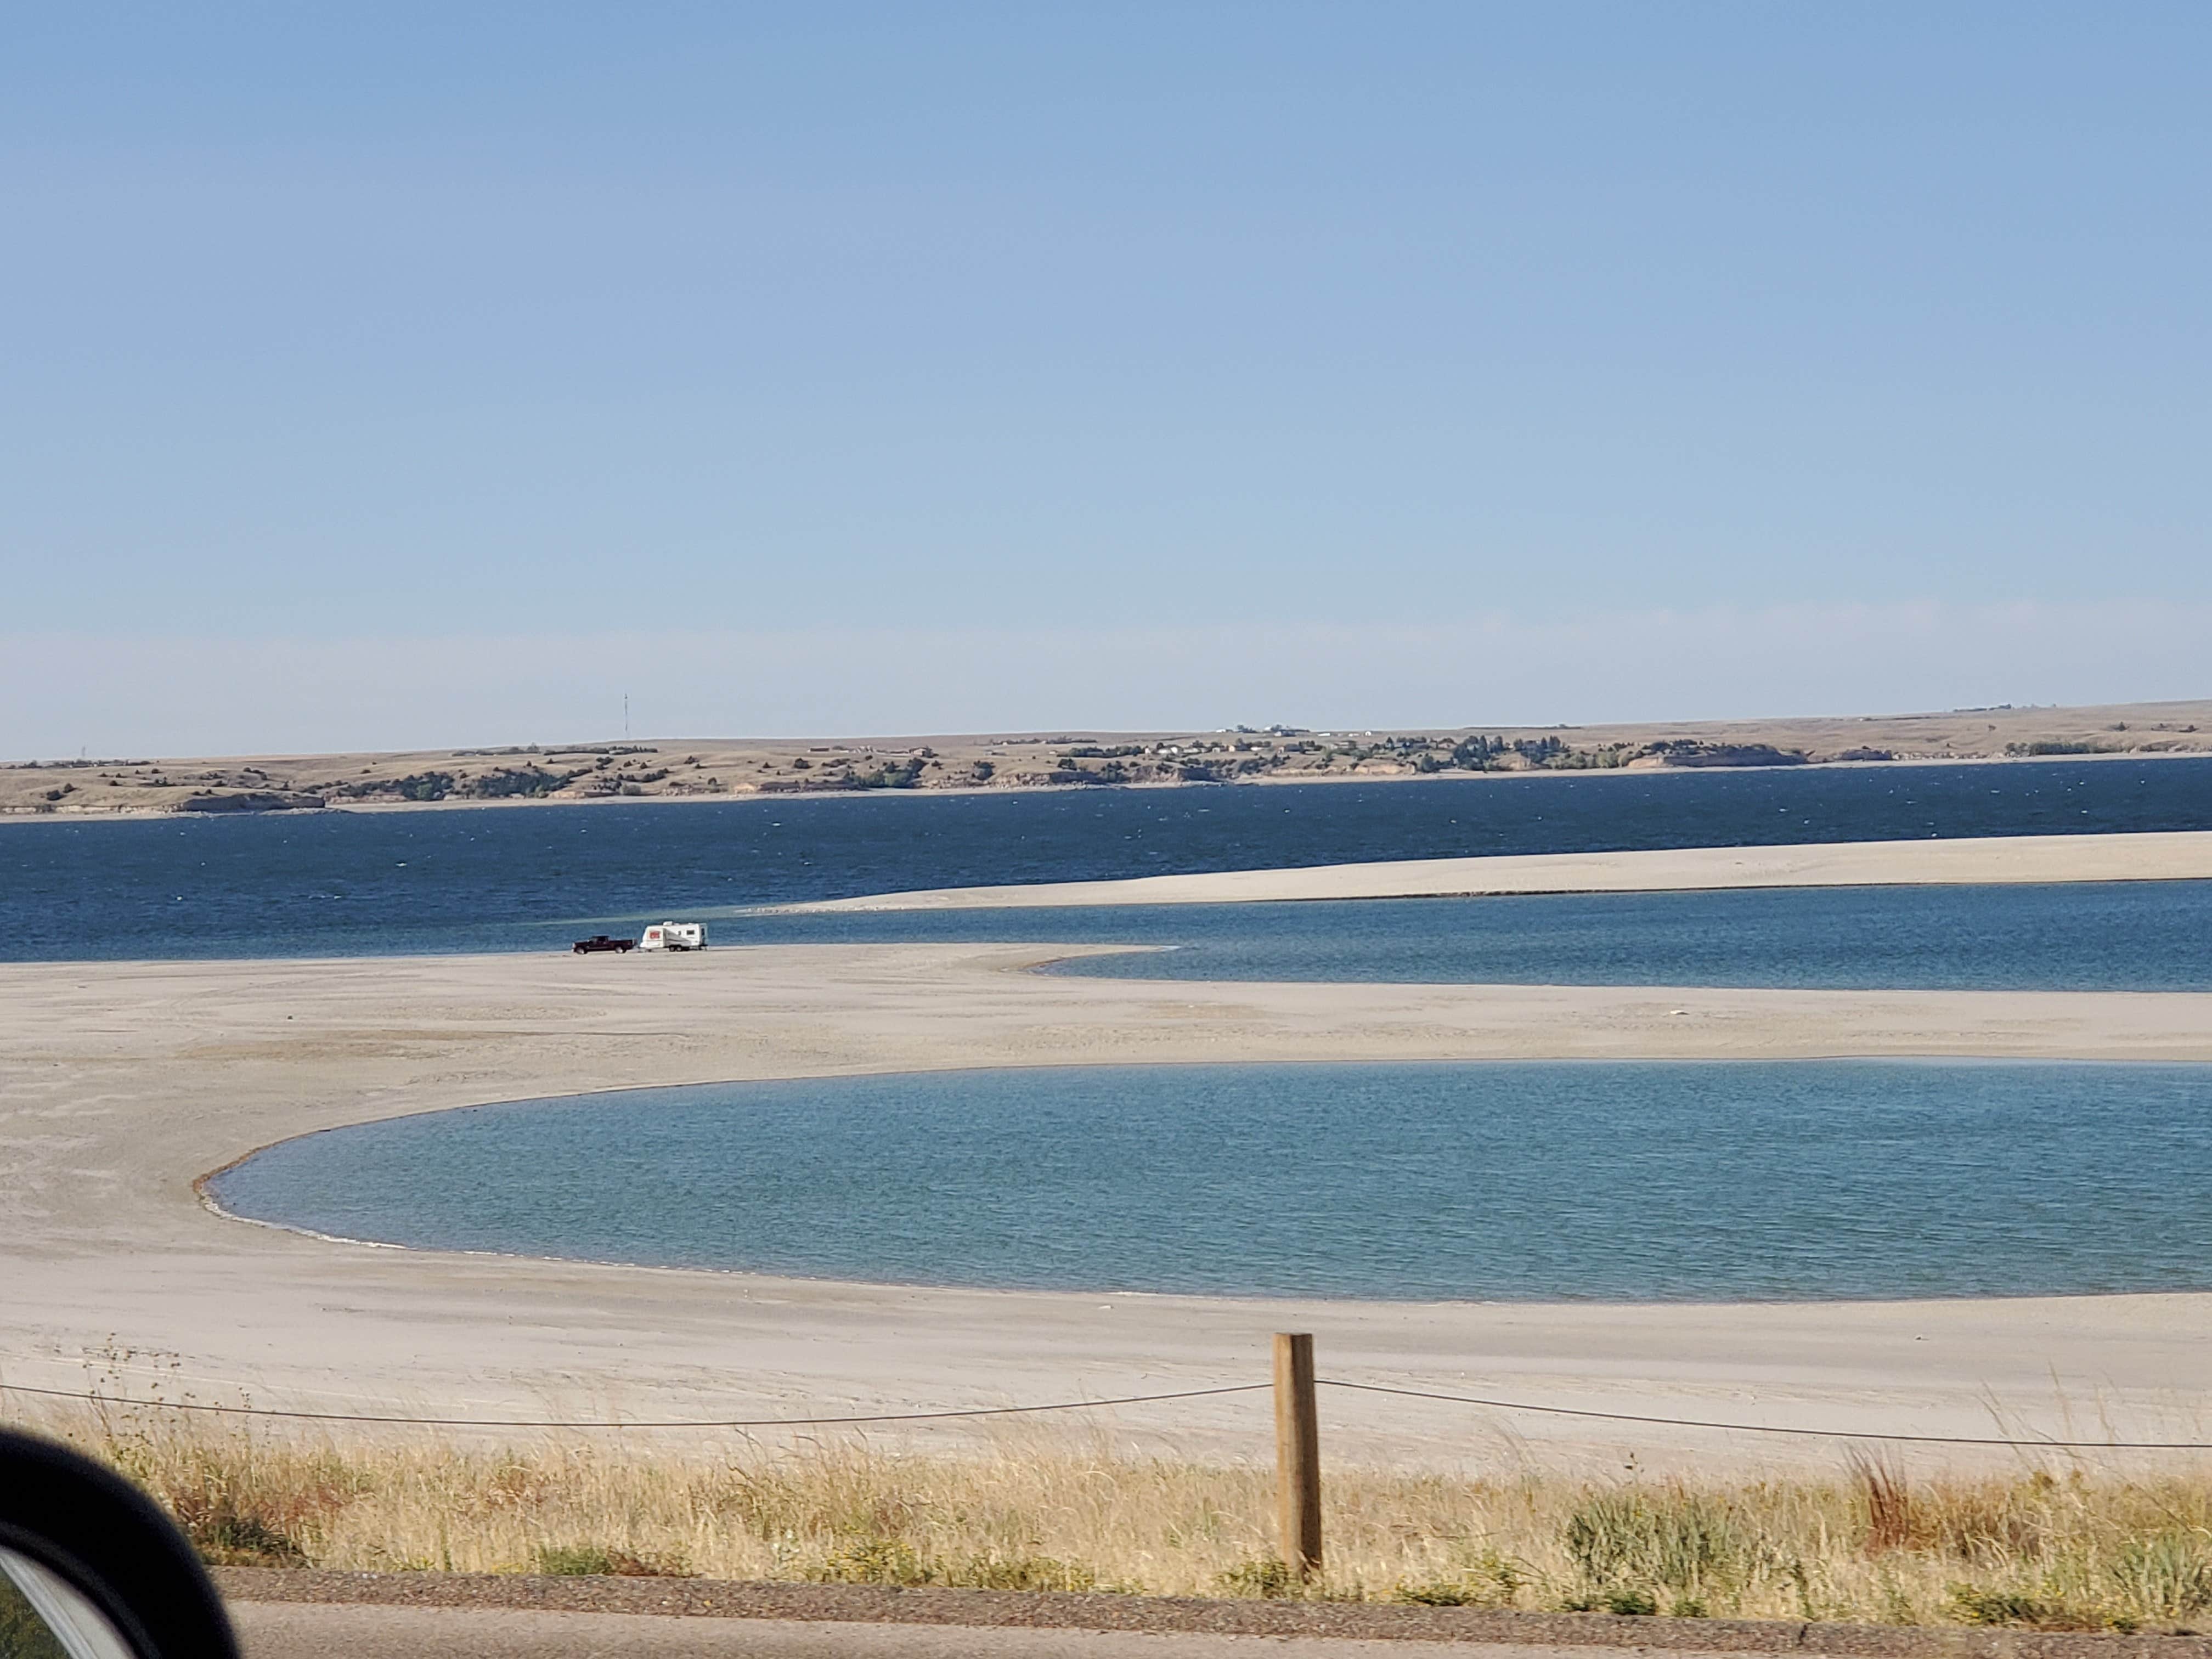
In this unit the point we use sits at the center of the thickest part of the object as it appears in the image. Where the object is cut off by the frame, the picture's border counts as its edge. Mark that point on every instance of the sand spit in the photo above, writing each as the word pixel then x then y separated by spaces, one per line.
pixel 2182 855
pixel 126 1081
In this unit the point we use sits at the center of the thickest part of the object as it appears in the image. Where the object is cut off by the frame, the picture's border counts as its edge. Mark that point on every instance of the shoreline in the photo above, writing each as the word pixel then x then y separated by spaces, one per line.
pixel 135 1077
pixel 381 808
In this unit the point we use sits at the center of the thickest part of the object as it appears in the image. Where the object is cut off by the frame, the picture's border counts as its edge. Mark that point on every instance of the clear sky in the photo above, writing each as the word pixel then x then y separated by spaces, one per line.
pixel 392 375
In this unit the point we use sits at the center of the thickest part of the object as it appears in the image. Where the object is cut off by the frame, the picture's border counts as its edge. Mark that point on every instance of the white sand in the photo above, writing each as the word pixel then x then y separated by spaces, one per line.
pixel 123 1082
pixel 2182 855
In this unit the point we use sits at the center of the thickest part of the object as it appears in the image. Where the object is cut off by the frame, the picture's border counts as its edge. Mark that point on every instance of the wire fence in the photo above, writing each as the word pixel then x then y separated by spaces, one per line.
pixel 628 1423
pixel 95 1397
pixel 1775 1428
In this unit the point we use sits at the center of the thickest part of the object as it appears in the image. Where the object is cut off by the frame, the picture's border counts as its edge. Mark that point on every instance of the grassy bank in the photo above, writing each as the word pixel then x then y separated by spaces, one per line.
pixel 2059 1547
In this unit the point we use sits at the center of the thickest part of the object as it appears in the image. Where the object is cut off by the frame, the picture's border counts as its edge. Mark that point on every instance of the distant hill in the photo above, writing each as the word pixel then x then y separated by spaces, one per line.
pixel 710 767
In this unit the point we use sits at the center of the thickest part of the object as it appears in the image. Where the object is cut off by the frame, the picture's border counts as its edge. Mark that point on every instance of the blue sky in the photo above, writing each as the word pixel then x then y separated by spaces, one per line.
pixel 871 367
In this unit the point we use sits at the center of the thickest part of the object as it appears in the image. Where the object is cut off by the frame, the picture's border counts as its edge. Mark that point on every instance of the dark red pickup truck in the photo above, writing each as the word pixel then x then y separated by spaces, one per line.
pixel 583 947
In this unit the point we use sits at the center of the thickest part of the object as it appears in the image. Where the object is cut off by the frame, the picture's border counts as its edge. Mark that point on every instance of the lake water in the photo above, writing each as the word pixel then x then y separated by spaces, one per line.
pixel 1632 1181
pixel 533 877
pixel 1639 1181
pixel 2096 936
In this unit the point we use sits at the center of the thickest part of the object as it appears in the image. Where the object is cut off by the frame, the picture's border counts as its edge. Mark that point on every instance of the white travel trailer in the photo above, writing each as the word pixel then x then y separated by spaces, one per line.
pixel 674 936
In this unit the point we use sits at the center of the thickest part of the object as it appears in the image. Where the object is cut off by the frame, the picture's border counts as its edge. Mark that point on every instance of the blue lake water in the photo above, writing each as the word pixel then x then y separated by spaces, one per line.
pixel 1632 1181
pixel 1498 1181
pixel 2139 936
pixel 531 878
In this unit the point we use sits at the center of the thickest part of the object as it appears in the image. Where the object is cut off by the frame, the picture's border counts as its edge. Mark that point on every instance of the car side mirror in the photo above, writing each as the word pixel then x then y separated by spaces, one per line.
pixel 90 1569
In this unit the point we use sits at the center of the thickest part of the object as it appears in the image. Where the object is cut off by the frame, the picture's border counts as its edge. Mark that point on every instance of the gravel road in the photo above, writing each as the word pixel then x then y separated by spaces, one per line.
pixel 280 1630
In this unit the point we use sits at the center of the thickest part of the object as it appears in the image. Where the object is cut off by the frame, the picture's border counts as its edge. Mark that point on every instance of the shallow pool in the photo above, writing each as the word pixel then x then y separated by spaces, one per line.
pixel 1639 1182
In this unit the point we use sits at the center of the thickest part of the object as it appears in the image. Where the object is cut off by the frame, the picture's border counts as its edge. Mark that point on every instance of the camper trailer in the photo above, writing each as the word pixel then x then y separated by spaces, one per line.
pixel 674 936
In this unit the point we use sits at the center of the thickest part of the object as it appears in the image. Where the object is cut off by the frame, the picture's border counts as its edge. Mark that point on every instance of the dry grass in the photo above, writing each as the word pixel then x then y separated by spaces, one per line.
pixel 2052 1549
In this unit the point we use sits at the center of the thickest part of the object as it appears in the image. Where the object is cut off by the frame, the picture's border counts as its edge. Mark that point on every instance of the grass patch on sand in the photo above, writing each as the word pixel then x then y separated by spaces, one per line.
pixel 2054 1548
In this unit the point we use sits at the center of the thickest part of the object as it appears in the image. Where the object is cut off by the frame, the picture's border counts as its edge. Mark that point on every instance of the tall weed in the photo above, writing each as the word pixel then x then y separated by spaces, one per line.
pixel 1047 1512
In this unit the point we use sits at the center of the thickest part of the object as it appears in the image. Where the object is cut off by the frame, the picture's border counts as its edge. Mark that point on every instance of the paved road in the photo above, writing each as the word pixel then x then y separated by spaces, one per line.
pixel 286 1630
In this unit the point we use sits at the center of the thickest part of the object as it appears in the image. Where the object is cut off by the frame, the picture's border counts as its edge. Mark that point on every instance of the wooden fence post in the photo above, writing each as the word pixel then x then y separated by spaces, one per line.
pixel 1297 1454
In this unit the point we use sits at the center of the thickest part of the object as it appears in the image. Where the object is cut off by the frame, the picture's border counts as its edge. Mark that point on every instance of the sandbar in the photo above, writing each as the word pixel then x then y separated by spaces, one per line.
pixel 2179 855
pixel 126 1081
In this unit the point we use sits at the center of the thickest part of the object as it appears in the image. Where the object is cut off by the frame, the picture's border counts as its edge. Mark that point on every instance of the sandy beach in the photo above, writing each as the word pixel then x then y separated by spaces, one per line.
pixel 2185 855
pixel 127 1081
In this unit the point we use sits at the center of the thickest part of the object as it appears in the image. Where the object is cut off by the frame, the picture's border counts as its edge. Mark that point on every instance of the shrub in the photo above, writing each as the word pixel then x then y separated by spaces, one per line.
pixel 890 1561
pixel 231 1540
pixel 1490 1583
pixel 1266 1578
pixel 1633 1541
pixel 506 782
pixel 597 1561
pixel 2168 1575
pixel 2008 1607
